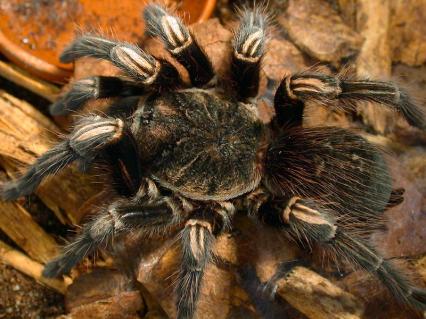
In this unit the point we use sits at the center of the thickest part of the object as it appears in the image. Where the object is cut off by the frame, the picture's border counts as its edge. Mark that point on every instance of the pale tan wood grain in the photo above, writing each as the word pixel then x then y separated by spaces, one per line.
pixel 18 224
pixel 31 268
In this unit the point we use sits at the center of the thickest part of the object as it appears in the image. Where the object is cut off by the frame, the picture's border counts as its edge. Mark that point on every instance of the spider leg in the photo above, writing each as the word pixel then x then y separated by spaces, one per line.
pixel 197 240
pixel 248 48
pixel 148 212
pixel 90 137
pixel 284 269
pixel 96 87
pixel 197 243
pixel 179 42
pixel 142 67
pixel 296 89
pixel 310 224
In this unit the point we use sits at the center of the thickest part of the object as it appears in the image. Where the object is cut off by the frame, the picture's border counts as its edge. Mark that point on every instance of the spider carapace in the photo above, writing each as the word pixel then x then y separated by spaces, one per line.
pixel 191 156
pixel 204 146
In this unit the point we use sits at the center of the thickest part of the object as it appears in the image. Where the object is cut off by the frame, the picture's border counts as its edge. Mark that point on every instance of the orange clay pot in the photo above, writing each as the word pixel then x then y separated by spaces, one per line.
pixel 33 33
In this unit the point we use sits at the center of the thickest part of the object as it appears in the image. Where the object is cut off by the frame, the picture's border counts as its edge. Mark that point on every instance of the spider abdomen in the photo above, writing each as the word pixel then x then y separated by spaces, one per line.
pixel 199 144
pixel 331 164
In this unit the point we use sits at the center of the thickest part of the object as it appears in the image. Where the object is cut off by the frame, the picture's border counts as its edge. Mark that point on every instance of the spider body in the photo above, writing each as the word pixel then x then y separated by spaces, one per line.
pixel 190 157
pixel 191 133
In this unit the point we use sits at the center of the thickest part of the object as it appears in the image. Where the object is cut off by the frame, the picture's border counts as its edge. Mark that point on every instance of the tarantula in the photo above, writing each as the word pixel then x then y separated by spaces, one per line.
pixel 192 155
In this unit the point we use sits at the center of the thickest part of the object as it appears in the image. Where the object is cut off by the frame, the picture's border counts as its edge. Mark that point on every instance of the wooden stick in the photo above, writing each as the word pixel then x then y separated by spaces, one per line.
pixel 31 268
pixel 25 134
pixel 318 298
pixel 18 224
pixel 24 79
pixel 374 60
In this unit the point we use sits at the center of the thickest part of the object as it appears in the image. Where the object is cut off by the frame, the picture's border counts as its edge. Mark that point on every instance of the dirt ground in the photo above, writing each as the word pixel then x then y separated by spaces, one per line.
pixel 22 298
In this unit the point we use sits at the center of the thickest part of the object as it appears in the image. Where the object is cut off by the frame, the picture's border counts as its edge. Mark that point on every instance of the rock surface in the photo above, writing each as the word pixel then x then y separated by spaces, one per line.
pixel 317 29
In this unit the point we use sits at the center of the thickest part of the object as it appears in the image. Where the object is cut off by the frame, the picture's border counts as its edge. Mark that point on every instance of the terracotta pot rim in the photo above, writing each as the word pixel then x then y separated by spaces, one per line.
pixel 31 63
pixel 51 72
pixel 208 10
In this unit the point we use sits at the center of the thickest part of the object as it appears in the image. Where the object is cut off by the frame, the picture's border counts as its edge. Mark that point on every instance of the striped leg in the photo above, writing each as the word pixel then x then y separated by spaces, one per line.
pixel 133 61
pixel 197 240
pixel 295 90
pixel 91 136
pixel 249 46
pixel 148 212
pixel 311 224
pixel 179 42
pixel 147 73
pixel 97 87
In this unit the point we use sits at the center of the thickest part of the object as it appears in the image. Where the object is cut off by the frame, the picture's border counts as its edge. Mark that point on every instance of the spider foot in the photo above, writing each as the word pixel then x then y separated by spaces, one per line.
pixel 284 270
pixel 249 46
pixel 179 42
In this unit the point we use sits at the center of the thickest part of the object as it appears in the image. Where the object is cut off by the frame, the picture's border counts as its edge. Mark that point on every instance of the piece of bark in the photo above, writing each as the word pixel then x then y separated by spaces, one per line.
pixel 92 290
pixel 31 268
pixel 408 31
pixel 24 79
pixel 94 286
pixel 125 305
pixel 347 9
pixel 374 60
pixel 216 41
pixel 26 134
pixel 282 58
pixel 317 297
pixel 379 303
pixel 18 224
pixel 315 28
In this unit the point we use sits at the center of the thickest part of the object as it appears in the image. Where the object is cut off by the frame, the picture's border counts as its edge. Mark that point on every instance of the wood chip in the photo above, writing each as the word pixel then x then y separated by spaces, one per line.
pixel 374 61
pixel 18 224
pixel 31 268
pixel 308 24
pixel 24 79
pixel 407 32
pixel 317 297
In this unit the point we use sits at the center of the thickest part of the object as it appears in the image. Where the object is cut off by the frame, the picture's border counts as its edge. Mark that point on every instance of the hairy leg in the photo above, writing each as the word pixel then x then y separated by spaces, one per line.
pixel 310 223
pixel 91 136
pixel 197 239
pixel 148 213
pixel 179 42
pixel 140 66
pixel 296 89
pixel 248 48
pixel 96 87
